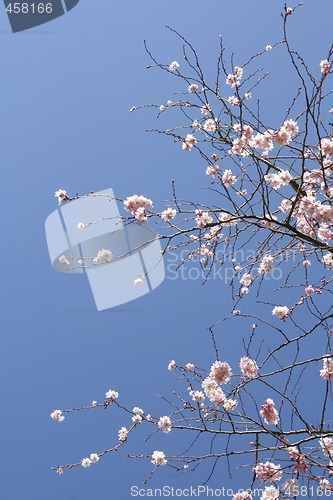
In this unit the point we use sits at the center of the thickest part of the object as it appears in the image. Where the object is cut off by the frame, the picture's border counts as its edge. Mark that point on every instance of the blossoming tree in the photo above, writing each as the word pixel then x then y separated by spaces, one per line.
pixel 271 190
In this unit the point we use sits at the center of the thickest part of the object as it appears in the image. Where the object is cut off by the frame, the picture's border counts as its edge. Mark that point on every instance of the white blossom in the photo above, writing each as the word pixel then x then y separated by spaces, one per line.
pixel 86 462
pixel 174 65
pixel 158 458
pixel 94 458
pixel 103 256
pixel 111 394
pixel 57 416
pixel 123 434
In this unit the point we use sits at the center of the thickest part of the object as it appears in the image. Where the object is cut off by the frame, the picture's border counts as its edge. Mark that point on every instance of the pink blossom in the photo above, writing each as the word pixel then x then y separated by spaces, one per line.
pixel 232 78
pixel 227 219
pixel 263 141
pixel 282 137
pixel 172 365
pixel 164 423
pixel 158 458
pixel 189 142
pixel 242 495
pixel 325 67
pixel 168 214
pixel 234 101
pixel 324 233
pixel 328 260
pixel 301 465
pixel 238 72
pixel 270 414
pixel 270 493
pixel 197 396
pixel 228 179
pixel 230 404
pixel 62 196
pixel 291 127
pixel 325 484
pixel 326 147
pixel 209 384
pixel 190 367
pixel 248 367
pixel 193 87
pixel 202 218
pixel 268 472
pixel 246 279
pixel 135 202
pixel 286 205
pixel 212 171
pixel 216 396
pixel 212 391
pixel 173 66
pixel 266 265
pixel 141 215
pixel 210 125
pixel 220 372
pixel 206 109
pixel 327 371
pixel 294 453
pixel 281 312
pixel 326 446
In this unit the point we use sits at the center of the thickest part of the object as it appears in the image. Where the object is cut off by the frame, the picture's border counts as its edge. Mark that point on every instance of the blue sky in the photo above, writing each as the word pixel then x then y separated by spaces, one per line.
pixel 67 88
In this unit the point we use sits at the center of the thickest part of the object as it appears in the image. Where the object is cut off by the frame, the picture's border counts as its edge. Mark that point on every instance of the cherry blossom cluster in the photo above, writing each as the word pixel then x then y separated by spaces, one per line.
pixel 168 214
pixel 203 218
pixel 325 67
pixel 103 256
pixel 158 458
pixel 279 202
pixel 228 179
pixel 327 371
pixel 284 135
pixel 268 472
pixel 296 456
pixel 210 125
pixel 138 206
pixel 174 65
pixel 247 140
pixel 93 459
pixel 283 178
pixel 248 367
pixel 189 142
pixel 62 196
pixel 234 79
pixel 266 265
pixel 281 312
pixel 57 416
pixel 164 424
pixel 269 412
pixel 326 446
